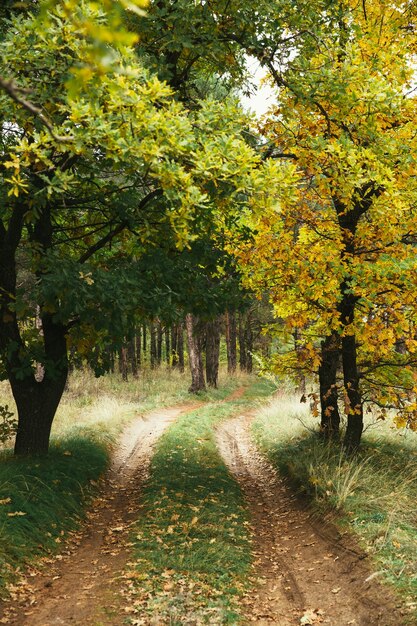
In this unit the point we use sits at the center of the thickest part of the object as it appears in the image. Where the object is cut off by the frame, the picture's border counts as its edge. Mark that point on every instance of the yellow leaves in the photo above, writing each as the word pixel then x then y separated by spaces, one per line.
pixel 18 185
pixel 5 501
pixel 400 421
pixel 86 278
pixel 16 514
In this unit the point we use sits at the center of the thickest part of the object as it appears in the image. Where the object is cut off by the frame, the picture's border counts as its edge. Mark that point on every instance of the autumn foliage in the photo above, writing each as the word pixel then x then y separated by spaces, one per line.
pixel 337 254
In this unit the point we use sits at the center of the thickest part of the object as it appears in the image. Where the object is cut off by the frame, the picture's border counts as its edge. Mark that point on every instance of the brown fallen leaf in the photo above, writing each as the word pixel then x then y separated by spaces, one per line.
pixel 311 617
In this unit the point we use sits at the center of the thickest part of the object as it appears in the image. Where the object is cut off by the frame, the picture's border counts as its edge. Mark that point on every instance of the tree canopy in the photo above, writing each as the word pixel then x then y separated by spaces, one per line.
pixel 92 170
pixel 340 251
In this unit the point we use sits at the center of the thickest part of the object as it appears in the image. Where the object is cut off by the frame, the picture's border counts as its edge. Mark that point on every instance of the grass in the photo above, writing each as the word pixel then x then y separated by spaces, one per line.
pixel 42 500
pixel 373 494
pixel 192 547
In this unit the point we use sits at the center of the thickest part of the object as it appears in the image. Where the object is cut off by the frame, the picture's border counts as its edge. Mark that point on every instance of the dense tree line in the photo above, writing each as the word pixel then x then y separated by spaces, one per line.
pixel 134 190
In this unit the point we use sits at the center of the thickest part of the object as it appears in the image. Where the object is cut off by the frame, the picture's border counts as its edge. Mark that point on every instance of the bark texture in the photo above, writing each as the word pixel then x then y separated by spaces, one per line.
pixel 231 346
pixel 212 352
pixel 195 355
pixel 330 416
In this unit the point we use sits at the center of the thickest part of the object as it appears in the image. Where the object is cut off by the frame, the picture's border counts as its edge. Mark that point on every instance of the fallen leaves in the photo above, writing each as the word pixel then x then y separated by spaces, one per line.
pixel 311 617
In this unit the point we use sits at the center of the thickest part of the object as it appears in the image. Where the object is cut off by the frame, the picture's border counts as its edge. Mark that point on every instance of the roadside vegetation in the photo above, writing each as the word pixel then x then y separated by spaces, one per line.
pixel 372 494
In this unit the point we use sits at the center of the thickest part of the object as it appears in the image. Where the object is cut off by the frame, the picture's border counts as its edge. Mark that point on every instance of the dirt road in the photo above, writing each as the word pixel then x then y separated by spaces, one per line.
pixel 80 587
pixel 306 573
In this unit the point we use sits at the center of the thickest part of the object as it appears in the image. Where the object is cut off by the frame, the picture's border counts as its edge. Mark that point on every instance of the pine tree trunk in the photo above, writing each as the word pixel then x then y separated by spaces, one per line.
pixel 195 356
pixel 330 416
pixel 231 333
pixel 212 352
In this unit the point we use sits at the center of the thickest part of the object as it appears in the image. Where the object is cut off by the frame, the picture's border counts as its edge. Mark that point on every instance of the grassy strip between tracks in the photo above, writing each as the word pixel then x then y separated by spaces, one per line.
pixel 192 545
pixel 373 494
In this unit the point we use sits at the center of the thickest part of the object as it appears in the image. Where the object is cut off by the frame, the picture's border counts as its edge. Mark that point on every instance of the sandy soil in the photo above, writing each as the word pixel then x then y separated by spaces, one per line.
pixel 80 587
pixel 305 571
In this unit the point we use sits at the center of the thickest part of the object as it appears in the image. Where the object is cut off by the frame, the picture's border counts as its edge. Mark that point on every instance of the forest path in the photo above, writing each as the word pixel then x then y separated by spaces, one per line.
pixel 306 572
pixel 80 587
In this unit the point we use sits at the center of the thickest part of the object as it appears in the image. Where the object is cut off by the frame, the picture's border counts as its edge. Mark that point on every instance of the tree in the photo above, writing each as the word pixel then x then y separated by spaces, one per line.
pixel 338 256
pixel 90 176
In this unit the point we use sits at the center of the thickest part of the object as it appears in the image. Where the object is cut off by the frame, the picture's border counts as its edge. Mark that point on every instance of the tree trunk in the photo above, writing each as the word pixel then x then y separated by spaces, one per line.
pixel 348 219
pixel 123 366
pixel 131 357
pixel 154 357
pixel 180 346
pixel 195 354
pixel 37 402
pixel 159 335
pixel 138 347
pixel 330 416
pixel 353 396
pixel 231 333
pixel 144 342
pixel 167 346
pixel 212 352
pixel 110 354
pixel 174 345
pixel 242 344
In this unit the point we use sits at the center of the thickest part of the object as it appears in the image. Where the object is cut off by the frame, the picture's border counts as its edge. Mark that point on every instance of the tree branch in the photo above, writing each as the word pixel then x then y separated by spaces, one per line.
pixel 118 229
pixel 10 87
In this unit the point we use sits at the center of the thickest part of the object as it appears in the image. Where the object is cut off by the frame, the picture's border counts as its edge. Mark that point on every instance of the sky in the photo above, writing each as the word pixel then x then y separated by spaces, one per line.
pixel 263 97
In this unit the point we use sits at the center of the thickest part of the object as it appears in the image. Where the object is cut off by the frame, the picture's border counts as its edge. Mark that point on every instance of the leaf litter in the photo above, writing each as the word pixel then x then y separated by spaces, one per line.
pixel 300 562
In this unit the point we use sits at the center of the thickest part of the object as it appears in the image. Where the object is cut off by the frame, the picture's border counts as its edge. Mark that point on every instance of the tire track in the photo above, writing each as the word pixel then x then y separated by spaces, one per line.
pixel 79 587
pixel 304 571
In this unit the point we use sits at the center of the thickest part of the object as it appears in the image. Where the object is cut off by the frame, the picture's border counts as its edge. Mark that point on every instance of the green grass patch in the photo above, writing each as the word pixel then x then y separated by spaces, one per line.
pixel 42 500
pixel 374 494
pixel 192 545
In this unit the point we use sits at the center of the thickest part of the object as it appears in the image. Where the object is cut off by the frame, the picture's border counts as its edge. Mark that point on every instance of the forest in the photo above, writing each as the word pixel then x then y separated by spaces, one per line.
pixel 205 309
